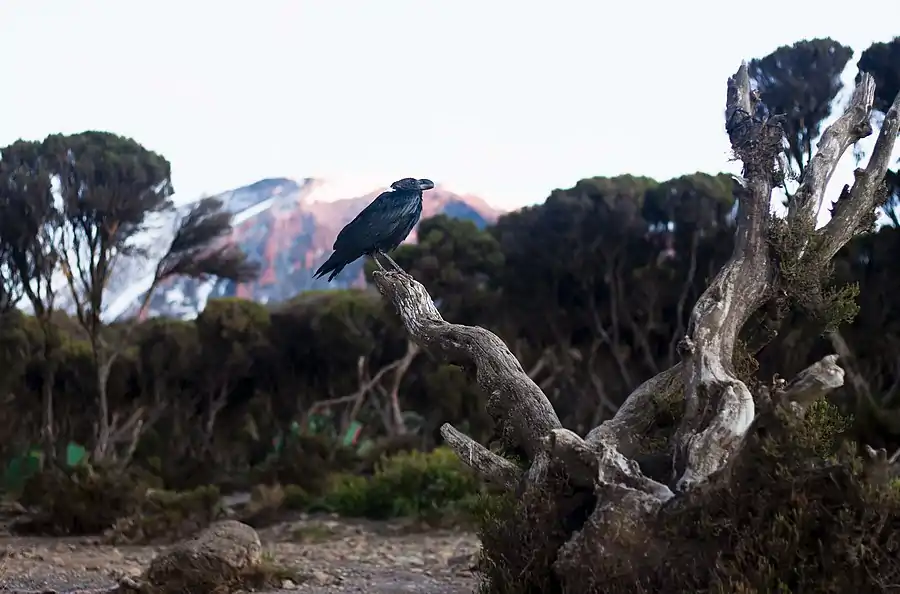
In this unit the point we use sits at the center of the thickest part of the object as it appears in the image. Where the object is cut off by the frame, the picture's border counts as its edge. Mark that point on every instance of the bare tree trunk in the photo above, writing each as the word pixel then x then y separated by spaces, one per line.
pixel 718 407
pixel 215 404
pixel 682 299
pixel 104 367
pixel 412 351
pixel 48 432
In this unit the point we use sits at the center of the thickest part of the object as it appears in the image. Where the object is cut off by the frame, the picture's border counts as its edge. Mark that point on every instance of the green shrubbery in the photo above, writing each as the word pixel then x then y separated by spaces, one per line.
pixel 131 506
pixel 126 506
pixel 795 512
pixel 81 500
pixel 427 486
pixel 166 515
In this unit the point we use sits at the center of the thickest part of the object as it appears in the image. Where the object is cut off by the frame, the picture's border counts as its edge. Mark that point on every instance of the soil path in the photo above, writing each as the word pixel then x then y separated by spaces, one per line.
pixel 329 556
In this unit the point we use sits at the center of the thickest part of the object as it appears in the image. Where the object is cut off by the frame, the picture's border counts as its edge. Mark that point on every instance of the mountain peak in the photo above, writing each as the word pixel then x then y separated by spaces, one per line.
pixel 286 225
pixel 332 189
pixel 275 185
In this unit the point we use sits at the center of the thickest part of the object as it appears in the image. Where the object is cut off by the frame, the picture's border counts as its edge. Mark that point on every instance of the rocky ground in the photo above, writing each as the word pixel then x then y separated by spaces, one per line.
pixel 323 555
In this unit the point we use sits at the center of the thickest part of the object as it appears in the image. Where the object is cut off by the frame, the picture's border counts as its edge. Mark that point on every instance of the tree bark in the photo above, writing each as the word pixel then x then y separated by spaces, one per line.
pixel 104 366
pixel 48 432
pixel 718 407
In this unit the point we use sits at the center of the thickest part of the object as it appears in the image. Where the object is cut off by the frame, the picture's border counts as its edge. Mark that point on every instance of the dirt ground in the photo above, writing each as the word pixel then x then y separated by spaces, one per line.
pixel 328 555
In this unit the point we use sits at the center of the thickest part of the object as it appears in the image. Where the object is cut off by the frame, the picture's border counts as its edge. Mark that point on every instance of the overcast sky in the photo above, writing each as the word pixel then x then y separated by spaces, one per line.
pixel 505 99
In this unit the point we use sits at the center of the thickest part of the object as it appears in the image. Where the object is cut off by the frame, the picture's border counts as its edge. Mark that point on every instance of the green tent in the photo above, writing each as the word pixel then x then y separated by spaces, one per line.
pixel 20 468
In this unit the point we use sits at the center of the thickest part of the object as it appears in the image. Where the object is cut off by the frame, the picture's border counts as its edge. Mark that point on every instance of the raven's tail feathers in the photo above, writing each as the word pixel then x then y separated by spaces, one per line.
pixel 334 264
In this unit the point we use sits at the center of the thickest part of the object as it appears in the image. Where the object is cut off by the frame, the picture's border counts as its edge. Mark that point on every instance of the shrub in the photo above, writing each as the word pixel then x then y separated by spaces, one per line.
pixel 521 536
pixel 306 462
pixel 80 500
pixel 386 447
pixel 296 498
pixel 127 506
pixel 169 515
pixel 794 512
pixel 409 484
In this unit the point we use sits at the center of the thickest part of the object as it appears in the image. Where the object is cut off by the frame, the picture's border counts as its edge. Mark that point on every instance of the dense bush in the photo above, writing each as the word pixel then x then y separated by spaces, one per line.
pixel 129 506
pixel 126 506
pixel 215 393
pixel 81 500
pixel 410 484
pixel 167 515
pixel 305 462
pixel 796 512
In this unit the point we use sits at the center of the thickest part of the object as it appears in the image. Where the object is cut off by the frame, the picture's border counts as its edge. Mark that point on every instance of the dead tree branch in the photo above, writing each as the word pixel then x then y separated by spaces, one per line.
pixel 490 466
pixel 812 384
pixel 859 202
pixel 718 406
pixel 638 412
pixel 393 395
pixel 519 408
pixel 522 411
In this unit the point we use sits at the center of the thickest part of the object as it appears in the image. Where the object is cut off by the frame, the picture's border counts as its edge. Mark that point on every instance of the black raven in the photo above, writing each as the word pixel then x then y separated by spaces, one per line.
pixel 379 228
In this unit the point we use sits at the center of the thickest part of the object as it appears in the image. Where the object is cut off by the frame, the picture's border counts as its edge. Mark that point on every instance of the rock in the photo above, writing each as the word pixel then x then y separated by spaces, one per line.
pixel 323 579
pixel 466 561
pixel 213 560
pixel 11 508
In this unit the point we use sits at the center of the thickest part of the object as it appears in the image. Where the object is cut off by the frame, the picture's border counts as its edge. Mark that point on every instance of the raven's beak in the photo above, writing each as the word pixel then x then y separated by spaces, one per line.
pixel 426 184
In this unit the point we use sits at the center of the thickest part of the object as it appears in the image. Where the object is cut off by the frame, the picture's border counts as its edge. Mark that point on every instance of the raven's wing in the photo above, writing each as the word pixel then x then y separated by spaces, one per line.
pixel 376 222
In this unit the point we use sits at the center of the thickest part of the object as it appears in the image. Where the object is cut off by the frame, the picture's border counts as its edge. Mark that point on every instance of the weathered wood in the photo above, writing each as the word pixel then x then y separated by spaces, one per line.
pixel 859 202
pixel 489 466
pixel 745 281
pixel 639 410
pixel 812 384
pixel 516 403
pixel 522 412
pixel 852 126
pixel 719 408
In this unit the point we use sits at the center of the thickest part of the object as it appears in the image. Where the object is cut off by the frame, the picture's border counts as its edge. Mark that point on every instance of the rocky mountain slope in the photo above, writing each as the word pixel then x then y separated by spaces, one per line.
pixel 288 227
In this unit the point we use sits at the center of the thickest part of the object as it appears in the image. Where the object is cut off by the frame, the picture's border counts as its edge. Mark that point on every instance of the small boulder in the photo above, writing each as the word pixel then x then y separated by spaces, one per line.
pixel 213 560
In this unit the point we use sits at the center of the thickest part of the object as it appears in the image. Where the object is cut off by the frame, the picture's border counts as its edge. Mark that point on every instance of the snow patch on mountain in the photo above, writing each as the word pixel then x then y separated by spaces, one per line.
pixel 285 224
pixel 139 286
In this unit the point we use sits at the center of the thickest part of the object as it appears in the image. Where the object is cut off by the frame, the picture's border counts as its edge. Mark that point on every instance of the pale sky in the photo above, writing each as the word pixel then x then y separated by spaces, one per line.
pixel 504 99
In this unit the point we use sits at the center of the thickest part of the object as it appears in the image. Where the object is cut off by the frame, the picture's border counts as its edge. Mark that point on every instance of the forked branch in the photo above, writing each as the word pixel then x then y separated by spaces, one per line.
pixel 719 408
pixel 522 412
pixel 519 408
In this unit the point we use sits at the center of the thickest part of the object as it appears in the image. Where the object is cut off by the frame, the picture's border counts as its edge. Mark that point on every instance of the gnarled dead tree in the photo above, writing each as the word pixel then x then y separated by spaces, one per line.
pixel 719 408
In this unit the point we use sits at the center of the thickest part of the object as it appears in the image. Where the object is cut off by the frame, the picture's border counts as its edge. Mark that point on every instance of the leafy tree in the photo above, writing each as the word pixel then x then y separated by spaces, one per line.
pixel 17 345
pixel 30 228
pixel 232 333
pixel 111 188
pixel 459 263
pixel 568 271
pixel 168 353
pixel 199 249
pixel 882 61
pixel 108 185
pixel 354 358
pixel 691 224
pixel 801 81
pixel 10 283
